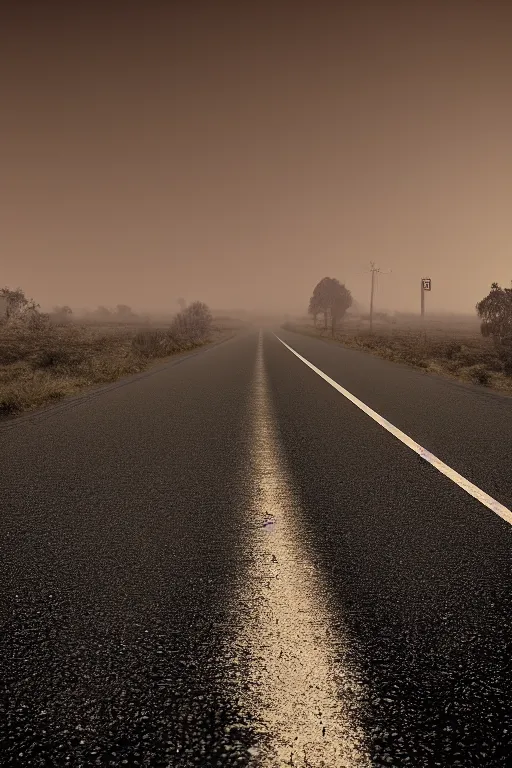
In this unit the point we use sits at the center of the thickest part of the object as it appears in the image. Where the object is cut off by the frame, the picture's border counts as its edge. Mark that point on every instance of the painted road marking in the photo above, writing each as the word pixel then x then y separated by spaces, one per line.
pixel 461 481
pixel 302 683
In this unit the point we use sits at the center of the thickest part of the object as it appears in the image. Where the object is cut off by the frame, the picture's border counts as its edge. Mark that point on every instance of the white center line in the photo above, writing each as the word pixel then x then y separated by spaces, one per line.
pixel 302 686
pixel 459 480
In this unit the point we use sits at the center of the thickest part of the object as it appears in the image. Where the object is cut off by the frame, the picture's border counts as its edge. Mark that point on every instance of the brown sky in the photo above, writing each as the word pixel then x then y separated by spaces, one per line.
pixel 239 152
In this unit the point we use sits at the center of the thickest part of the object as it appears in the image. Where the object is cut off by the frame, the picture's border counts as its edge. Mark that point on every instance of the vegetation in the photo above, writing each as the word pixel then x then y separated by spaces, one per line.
pixel 120 314
pixel 332 299
pixel 44 357
pixel 17 308
pixel 495 311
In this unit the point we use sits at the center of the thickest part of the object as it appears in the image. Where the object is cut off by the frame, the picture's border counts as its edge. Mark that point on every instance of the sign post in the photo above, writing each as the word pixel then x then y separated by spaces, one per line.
pixel 426 285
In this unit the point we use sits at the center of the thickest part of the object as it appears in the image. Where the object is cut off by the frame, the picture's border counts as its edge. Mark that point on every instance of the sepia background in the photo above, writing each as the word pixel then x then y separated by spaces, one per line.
pixel 237 153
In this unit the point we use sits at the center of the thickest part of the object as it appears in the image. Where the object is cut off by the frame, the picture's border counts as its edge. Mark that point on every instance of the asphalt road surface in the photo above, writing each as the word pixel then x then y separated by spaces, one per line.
pixel 227 562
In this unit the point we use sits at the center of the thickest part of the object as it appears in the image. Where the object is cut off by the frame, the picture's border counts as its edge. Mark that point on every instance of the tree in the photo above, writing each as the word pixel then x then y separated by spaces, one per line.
pixel 319 301
pixel 314 308
pixel 194 321
pixel 17 306
pixel 199 317
pixel 495 311
pixel 182 304
pixel 332 298
pixel 103 312
pixel 124 312
pixel 64 311
pixel 341 301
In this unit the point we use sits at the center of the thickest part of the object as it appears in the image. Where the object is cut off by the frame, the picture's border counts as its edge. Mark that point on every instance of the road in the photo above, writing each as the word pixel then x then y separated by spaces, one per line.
pixel 226 562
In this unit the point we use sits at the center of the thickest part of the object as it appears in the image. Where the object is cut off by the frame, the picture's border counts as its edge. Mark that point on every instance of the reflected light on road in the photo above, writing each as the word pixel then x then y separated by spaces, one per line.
pixel 300 686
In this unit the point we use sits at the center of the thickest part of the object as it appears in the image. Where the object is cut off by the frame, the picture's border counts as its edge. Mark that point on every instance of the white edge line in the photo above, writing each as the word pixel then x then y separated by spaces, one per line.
pixel 461 481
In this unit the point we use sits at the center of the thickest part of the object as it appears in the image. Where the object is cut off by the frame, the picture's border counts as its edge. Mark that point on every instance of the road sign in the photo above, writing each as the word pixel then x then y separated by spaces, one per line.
pixel 426 283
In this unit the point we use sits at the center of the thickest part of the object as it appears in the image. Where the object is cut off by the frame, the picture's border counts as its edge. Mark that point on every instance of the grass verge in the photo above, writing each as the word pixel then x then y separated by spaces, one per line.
pixel 45 365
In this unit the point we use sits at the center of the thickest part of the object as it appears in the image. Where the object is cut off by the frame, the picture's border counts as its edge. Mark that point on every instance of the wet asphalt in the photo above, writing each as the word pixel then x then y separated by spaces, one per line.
pixel 126 551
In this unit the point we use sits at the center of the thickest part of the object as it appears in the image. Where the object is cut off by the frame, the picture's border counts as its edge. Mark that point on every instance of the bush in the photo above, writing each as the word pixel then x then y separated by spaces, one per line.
pixel 188 329
pixel 52 357
pixel 149 343
pixel 452 349
pixel 42 361
pixel 505 355
pixel 468 356
pixel 479 374
pixel 193 323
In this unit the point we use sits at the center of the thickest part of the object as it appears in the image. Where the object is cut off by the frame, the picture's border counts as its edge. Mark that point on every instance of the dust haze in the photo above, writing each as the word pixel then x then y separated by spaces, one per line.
pixel 237 155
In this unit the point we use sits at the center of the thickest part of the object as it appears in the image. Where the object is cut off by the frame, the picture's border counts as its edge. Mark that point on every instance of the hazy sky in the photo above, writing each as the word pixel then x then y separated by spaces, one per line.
pixel 239 152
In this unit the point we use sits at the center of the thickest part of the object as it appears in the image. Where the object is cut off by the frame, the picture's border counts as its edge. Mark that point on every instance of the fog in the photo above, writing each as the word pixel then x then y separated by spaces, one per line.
pixel 237 156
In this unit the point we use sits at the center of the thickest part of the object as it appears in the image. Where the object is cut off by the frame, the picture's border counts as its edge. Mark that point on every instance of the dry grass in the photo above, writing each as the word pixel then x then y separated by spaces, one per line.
pixel 39 366
pixel 450 346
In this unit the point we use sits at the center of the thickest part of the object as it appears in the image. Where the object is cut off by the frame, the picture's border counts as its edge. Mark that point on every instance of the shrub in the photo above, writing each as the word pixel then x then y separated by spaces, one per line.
pixel 52 357
pixel 505 355
pixel 452 349
pixel 194 322
pixel 41 360
pixel 479 374
pixel 149 343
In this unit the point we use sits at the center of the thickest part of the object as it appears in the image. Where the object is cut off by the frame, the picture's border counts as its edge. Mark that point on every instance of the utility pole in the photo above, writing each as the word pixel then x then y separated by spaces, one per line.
pixel 373 270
